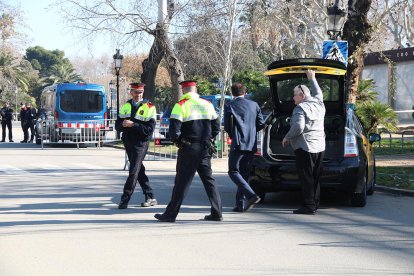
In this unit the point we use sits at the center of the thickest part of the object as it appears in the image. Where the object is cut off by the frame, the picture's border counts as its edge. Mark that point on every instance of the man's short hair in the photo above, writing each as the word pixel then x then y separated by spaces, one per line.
pixel 304 89
pixel 238 89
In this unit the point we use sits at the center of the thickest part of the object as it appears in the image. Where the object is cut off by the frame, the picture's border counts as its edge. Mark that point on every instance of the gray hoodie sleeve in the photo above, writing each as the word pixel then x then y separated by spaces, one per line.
pixel 297 123
pixel 316 90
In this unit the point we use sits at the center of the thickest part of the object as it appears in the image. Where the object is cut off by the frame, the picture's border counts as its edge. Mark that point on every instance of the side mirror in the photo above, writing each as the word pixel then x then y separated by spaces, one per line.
pixel 374 137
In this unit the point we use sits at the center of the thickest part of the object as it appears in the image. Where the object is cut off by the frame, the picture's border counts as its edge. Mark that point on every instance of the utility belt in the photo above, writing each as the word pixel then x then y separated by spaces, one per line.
pixel 187 142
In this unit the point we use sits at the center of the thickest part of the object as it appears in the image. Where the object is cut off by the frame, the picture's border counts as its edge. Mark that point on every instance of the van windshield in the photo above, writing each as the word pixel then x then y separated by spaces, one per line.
pixel 81 101
pixel 329 87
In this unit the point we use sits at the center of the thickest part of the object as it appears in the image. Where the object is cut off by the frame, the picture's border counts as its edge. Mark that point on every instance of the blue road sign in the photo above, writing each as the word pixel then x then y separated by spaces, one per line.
pixel 335 50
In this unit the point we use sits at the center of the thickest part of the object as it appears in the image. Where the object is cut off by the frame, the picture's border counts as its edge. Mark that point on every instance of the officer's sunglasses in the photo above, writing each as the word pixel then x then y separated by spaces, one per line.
pixel 301 89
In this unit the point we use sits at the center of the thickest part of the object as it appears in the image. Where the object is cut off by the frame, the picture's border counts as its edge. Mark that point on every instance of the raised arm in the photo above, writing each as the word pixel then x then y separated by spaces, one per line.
pixel 315 89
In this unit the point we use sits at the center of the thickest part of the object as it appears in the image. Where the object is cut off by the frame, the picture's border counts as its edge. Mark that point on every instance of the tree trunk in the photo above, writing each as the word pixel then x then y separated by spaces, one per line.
pixel 150 64
pixel 175 70
pixel 357 31
pixel 176 75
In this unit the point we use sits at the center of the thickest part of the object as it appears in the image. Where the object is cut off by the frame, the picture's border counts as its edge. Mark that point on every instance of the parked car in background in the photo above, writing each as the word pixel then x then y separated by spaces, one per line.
pixel 165 118
pixel 216 100
pixel 349 161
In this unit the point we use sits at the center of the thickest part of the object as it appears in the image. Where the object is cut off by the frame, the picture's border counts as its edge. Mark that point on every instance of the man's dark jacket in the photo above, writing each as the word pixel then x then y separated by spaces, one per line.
pixel 242 120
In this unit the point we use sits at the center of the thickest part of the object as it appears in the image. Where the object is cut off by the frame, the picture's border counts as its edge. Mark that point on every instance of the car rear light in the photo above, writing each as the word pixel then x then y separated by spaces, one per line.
pixel 259 144
pixel 350 145
pixel 105 115
pixel 56 115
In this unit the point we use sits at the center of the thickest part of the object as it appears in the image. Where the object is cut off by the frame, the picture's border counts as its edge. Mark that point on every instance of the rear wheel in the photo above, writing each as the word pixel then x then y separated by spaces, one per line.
pixel 360 199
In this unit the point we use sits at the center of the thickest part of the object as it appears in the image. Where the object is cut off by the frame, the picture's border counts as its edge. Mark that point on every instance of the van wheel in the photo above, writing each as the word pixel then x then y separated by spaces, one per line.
pixel 38 141
pixel 360 199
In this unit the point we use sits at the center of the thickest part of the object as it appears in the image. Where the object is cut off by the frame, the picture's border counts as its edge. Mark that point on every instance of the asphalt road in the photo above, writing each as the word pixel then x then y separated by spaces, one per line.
pixel 59 216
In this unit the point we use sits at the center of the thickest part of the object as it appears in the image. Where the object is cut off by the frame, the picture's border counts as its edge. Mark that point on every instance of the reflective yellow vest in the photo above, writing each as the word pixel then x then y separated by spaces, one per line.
pixel 146 111
pixel 191 107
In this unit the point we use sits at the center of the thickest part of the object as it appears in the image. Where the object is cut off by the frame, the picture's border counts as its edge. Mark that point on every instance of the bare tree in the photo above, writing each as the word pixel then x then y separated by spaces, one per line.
pixel 129 23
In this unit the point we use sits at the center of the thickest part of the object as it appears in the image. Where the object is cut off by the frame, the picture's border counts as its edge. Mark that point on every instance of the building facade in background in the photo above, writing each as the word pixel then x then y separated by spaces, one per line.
pixel 392 72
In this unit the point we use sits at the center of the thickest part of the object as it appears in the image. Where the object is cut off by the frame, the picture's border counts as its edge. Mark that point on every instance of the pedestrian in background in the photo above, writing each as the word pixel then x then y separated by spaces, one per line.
pixel 242 120
pixel 30 117
pixel 193 125
pixel 307 138
pixel 24 123
pixel 7 115
pixel 136 121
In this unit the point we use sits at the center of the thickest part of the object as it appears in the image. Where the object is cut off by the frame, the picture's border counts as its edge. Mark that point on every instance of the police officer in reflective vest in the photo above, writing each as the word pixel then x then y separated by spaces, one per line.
pixel 136 121
pixel 193 125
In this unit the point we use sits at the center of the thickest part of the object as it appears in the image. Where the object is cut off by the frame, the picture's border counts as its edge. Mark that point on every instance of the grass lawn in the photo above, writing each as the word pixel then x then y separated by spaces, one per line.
pixel 395 146
pixel 396 177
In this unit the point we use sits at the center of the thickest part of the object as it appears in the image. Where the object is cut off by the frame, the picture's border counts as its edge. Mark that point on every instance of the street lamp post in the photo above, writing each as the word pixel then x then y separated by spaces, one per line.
pixel 118 65
pixel 111 91
pixel 336 18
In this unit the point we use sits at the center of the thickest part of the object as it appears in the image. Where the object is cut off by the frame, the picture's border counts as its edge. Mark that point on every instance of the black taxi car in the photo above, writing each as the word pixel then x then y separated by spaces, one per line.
pixel 349 161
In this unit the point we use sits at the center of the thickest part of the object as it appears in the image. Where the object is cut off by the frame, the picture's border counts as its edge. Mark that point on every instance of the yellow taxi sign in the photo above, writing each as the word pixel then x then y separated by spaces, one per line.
pixel 303 68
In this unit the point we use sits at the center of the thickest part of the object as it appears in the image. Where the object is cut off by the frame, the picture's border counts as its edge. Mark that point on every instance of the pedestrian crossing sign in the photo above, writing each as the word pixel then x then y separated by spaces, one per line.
pixel 335 50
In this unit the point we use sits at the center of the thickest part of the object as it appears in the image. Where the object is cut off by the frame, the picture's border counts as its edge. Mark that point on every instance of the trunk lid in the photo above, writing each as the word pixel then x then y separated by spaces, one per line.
pixel 284 75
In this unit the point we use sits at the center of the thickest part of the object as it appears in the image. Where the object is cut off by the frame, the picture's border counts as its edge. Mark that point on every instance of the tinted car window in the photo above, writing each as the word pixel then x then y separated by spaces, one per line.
pixel 329 87
pixel 81 101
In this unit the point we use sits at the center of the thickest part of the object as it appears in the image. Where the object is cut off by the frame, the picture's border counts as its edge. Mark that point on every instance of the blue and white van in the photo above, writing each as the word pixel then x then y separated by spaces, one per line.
pixel 75 112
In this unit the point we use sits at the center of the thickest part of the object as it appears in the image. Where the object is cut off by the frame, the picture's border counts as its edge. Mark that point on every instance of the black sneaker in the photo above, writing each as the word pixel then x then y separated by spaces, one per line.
pixel 163 218
pixel 304 211
pixel 213 218
pixel 123 204
pixel 251 202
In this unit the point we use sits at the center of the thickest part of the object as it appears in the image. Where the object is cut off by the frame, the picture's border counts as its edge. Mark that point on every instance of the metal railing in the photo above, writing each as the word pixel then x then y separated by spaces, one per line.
pixel 396 142
pixel 85 132
pixel 100 132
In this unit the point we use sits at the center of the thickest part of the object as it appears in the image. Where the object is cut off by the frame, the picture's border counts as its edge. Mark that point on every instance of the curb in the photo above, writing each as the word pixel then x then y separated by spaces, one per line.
pixel 395 191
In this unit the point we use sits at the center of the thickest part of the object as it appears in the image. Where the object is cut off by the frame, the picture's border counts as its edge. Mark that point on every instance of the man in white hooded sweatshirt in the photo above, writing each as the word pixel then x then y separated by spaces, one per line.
pixel 307 138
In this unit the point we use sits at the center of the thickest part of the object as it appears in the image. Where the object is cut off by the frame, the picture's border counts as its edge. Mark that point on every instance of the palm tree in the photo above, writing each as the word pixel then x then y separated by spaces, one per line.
pixel 13 73
pixel 365 91
pixel 371 112
pixel 374 114
pixel 63 73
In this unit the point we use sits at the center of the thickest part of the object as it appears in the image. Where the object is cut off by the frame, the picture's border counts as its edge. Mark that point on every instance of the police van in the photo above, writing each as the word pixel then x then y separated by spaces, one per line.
pixel 72 112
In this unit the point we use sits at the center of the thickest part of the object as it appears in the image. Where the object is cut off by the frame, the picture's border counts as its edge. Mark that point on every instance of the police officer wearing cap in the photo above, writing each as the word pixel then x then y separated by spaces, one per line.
pixel 136 121
pixel 193 125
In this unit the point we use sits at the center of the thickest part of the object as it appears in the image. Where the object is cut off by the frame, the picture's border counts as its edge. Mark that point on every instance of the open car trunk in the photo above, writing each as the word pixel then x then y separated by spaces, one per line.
pixel 284 76
pixel 334 131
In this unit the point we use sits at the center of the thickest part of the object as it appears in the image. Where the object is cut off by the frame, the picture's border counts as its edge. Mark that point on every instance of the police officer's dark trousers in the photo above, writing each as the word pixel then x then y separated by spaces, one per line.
pixel 309 167
pixel 192 159
pixel 25 127
pixel 136 153
pixel 8 124
pixel 32 132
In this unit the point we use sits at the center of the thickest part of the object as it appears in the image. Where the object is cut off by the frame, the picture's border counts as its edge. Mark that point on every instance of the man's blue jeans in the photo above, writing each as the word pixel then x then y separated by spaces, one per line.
pixel 239 171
